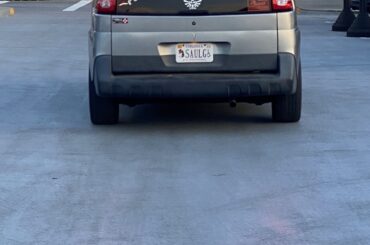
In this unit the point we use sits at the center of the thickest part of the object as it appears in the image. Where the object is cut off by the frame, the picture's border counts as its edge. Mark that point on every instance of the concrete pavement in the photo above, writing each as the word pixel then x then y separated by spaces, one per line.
pixel 320 4
pixel 178 174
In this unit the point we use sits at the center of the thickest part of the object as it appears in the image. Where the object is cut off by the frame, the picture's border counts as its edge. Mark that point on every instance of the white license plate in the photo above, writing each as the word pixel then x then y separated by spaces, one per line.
pixel 194 53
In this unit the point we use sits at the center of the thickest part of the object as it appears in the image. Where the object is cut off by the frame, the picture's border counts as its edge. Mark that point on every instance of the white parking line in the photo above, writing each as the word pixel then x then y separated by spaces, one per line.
pixel 78 5
pixel 2 2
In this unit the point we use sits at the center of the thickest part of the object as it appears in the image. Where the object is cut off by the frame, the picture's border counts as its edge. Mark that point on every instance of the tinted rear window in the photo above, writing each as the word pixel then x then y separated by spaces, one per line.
pixel 179 7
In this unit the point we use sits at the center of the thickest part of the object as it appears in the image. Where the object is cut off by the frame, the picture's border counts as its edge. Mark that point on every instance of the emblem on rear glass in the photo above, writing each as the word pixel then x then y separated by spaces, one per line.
pixel 192 4
pixel 127 2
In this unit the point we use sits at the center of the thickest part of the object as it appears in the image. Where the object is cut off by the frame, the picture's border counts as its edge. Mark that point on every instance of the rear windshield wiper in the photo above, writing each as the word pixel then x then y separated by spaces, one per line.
pixel 193 12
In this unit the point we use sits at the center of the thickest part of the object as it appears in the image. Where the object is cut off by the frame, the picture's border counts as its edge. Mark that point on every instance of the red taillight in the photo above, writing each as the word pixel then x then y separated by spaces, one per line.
pixel 106 6
pixel 265 5
pixel 282 5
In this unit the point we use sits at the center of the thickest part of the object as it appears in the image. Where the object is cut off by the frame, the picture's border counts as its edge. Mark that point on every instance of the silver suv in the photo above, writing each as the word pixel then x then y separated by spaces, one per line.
pixel 145 51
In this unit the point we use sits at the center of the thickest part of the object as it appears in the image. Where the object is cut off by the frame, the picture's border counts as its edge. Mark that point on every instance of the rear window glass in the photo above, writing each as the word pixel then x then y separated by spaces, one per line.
pixel 179 7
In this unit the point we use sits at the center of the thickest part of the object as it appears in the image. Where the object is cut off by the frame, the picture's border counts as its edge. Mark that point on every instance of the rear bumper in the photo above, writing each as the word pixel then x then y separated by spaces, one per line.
pixel 204 86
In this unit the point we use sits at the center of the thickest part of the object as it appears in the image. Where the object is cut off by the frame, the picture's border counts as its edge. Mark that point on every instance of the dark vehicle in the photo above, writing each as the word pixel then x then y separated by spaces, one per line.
pixel 356 4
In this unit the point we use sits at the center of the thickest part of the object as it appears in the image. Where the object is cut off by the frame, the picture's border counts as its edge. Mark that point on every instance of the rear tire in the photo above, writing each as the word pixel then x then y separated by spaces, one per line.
pixel 103 111
pixel 287 108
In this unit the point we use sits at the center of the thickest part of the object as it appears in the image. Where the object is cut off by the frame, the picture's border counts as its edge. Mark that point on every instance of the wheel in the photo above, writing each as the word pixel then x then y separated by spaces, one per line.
pixel 103 111
pixel 287 108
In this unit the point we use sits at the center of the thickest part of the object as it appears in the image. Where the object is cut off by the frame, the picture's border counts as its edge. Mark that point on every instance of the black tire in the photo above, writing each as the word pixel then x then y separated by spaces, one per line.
pixel 287 108
pixel 103 111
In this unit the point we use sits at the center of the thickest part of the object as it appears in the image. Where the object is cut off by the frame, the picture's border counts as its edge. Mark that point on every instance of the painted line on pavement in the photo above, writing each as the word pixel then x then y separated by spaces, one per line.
pixel 76 6
pixel 2 2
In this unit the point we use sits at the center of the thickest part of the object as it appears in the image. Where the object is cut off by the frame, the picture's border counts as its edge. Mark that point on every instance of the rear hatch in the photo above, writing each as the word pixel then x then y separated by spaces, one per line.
pixel 166 36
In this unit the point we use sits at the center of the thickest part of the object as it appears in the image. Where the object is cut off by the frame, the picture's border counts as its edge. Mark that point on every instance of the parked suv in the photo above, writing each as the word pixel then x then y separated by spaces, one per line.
pixel 145 51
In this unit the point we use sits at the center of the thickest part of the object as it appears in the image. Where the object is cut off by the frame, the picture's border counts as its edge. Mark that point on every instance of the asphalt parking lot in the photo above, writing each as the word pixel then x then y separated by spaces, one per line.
pixel 178 174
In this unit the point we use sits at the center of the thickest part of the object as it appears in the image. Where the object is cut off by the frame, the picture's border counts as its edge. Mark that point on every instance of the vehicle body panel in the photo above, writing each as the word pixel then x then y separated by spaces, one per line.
pixel 148 43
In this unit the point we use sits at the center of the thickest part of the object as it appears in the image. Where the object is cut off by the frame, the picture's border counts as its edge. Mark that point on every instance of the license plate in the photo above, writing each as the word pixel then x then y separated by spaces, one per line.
pixel 194 53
